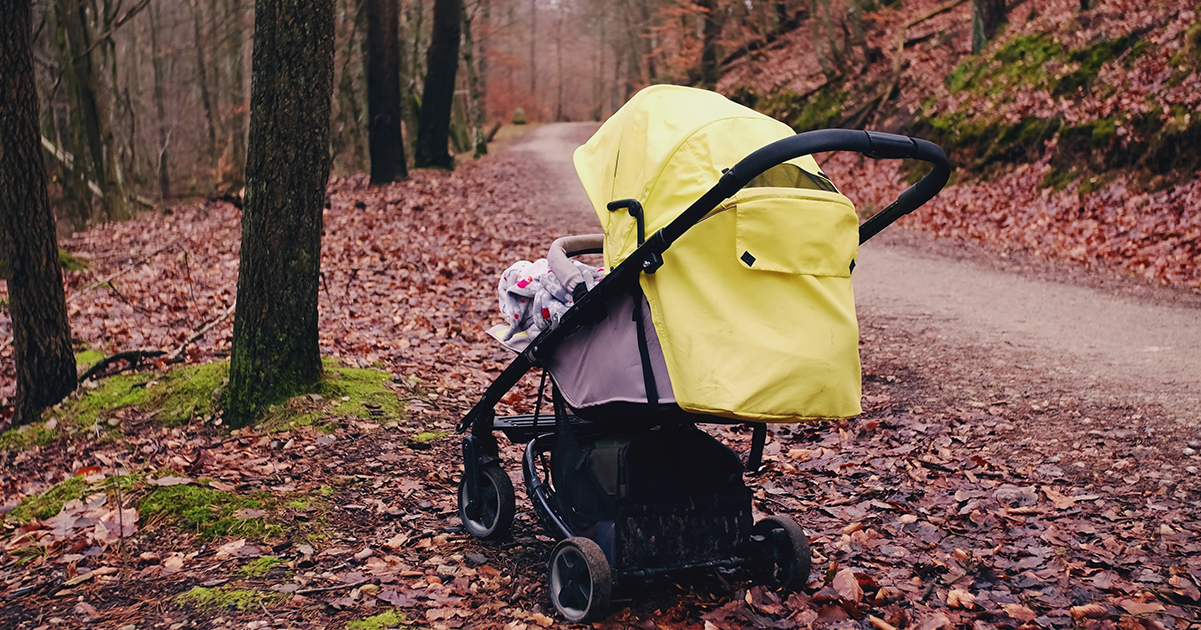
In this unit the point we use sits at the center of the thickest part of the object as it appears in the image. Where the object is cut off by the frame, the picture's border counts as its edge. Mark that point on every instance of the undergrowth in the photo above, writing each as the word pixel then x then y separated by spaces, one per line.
pixel 210 513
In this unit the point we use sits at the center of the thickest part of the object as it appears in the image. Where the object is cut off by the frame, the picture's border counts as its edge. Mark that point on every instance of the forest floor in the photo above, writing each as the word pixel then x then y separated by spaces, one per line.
pixel 1003 475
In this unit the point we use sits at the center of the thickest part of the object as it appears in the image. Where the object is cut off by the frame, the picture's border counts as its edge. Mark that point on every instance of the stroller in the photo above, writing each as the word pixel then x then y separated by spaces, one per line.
pixel 728 301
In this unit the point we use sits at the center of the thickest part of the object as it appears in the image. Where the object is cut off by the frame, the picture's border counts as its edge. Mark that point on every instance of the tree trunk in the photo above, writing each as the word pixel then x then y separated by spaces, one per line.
pixel 437 98
pixel 410 75
pixel 987 17
pixel 160 98
pixel 275 352
pixel 96 107
pixel 475 112
pixel 559 62
pixel 41 335
pixel 710 70
pixel 76 194
pixel 533 55
pixel 206 98
pixel 237 93
pixel 383 93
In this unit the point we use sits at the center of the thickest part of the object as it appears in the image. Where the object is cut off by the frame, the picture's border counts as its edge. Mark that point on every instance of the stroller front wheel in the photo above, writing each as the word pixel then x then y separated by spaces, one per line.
pixel 492 515
pixel 782 556
pixel 579 580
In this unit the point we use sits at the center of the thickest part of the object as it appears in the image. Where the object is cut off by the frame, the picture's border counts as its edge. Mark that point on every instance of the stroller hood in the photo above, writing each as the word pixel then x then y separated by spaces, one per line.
pixel 753 306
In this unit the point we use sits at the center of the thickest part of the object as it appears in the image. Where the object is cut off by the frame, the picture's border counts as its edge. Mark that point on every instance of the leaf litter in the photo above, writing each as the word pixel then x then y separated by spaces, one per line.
pixel 929 511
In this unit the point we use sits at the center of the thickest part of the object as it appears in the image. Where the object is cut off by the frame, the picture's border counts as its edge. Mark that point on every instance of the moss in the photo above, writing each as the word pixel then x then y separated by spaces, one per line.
pixel 260 566
pixel 382 621
pixel 49 503
pixel 297 504
pixel 1059 178
pixel 228 597
pixel 325 491
pixel 70 262
pixel 822 110
pixel 209 513
pixel 20 438
pixel 365 390
pixel 429 436
pixel 1022 61
pixel 174 398
pixel 88 358
pixel 1090 61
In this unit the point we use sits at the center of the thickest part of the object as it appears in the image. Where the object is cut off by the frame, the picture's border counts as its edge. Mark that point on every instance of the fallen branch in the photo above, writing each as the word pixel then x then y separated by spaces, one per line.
pixel 326 589
pixel 200 333
pixel 118 274
pixel 132 356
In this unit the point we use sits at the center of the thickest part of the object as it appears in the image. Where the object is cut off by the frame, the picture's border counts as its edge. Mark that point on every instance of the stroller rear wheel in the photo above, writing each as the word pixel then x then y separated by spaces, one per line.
pixel 782 558
pixel 491 517
pixel 579 580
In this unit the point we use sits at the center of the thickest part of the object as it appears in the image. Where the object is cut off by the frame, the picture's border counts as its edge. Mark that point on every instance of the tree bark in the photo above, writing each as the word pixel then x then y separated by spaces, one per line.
pixel 383 93
pixel 96 105
pixel 710 70
pixel 533 55
pixel 206 98
pixel 160 98
pixel 275 352
pixel 437 98
pixel 987 17
pixel 237 93
pixel 475 108
pixel 41 335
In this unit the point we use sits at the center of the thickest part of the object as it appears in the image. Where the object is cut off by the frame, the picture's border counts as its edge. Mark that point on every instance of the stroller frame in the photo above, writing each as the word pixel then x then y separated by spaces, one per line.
pixel 486 499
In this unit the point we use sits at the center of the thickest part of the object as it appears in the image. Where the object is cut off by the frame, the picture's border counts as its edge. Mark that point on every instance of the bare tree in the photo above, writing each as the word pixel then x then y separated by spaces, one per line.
pixel 275 351
pixel 987 17
pixel 383 92
pixel 437 99
pixel 41 335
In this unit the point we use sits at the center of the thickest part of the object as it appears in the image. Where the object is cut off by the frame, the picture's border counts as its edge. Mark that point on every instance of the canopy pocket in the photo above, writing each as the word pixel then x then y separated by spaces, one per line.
pixel 813 234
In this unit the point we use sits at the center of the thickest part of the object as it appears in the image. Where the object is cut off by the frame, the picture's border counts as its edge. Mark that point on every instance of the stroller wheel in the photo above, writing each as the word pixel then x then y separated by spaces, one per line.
pixel 493 515
pixel 579 580
pixel 782 557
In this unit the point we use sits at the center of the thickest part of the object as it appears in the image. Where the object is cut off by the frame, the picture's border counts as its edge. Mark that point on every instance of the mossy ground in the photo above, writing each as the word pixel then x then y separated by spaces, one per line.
pixel 382 621
pixel 429 436
pixel 228 597
pixel 194 392
pixel 209 513
pixel 260 566
pixel 49 503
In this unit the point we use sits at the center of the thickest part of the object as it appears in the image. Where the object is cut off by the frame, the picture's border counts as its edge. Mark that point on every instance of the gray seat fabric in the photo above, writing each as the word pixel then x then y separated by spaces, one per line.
pixel 600 363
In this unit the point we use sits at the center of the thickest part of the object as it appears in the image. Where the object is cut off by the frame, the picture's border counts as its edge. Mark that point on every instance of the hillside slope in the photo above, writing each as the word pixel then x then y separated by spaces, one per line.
pixel 1076 134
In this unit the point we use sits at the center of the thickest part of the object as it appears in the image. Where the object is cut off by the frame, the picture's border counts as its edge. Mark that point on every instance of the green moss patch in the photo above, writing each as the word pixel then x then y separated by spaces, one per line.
pixel 382 621
pixel 27 436
pixel 88 358
pixel 260 566
pixel 429 436
pixel 174 398
pixel 342 391
pixel 209 513
pixel 227 597
pixel 49 503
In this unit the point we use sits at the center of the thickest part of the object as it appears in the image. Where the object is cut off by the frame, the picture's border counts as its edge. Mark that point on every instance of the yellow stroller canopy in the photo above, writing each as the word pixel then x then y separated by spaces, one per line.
pixel 753 305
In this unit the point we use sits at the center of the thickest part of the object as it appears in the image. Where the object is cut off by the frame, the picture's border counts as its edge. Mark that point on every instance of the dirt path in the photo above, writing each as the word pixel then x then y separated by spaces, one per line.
pixel 1096 345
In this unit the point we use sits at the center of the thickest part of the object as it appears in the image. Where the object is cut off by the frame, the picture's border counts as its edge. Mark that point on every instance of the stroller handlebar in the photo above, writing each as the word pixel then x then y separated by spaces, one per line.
pixel 647 257
pixel 873 144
